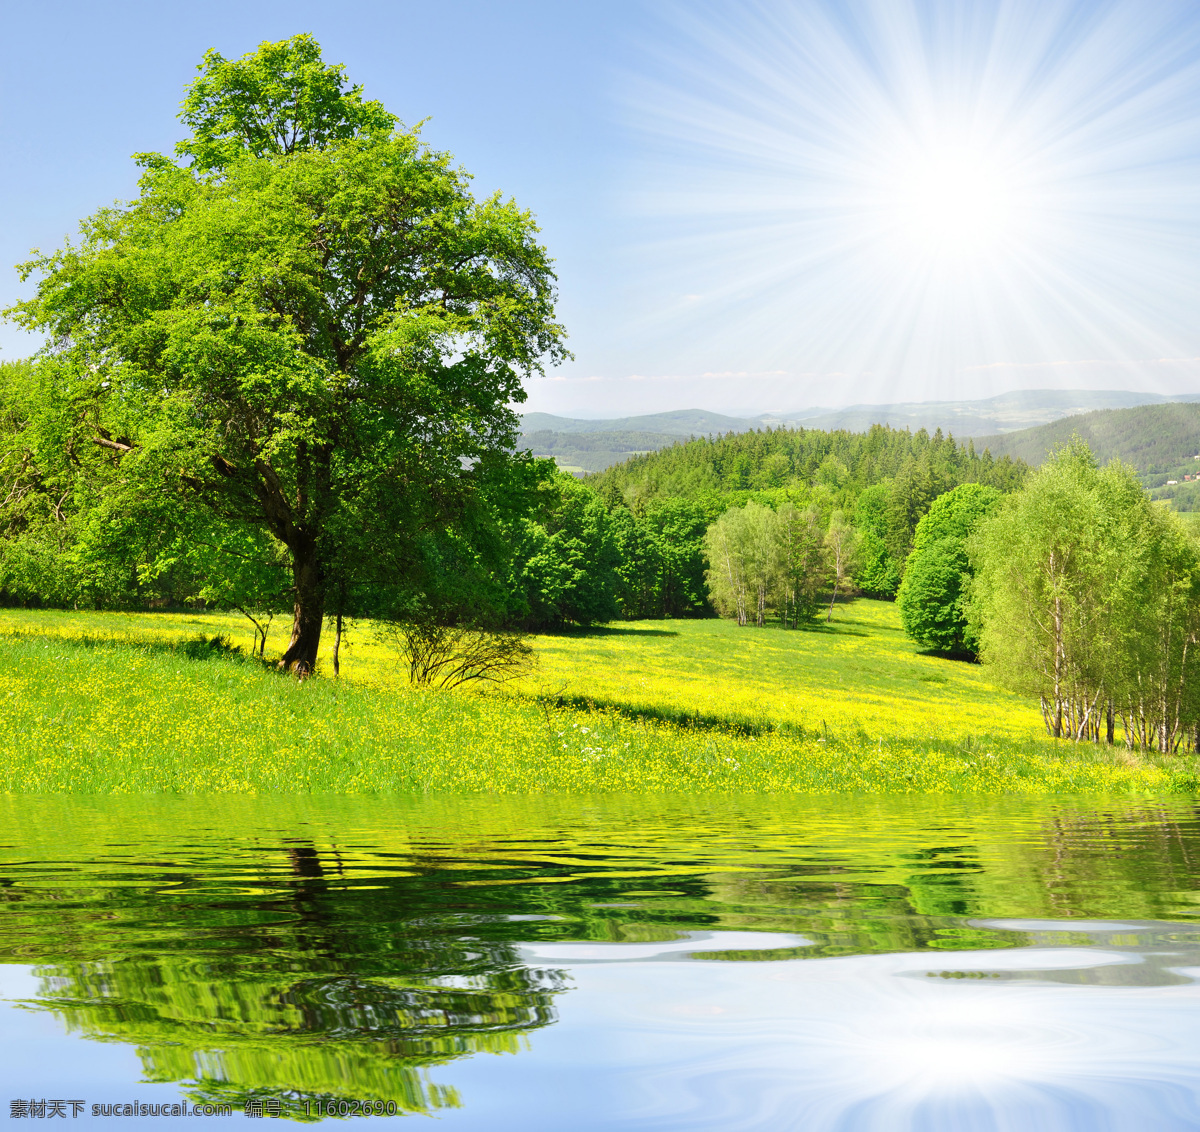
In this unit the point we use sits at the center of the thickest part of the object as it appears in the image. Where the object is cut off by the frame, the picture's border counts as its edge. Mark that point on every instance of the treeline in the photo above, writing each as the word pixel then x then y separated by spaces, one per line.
pixel 752 525
pixel 845 462
pixel 756 524
pixel 830 509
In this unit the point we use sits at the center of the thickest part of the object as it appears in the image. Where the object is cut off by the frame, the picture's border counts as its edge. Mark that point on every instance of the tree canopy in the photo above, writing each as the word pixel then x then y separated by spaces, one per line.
pixel 311 331
pixel 935 592
pixel 277 100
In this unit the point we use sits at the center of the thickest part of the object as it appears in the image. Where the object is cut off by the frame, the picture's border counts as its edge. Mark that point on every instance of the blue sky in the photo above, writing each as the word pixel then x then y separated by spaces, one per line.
pixel 752 206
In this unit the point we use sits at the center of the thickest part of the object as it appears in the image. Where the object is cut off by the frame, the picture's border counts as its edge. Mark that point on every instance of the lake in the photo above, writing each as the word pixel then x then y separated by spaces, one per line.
pixel 597 963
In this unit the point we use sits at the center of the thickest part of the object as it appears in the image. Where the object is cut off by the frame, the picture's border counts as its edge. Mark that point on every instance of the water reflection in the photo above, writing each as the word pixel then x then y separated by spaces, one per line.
pixel 873 1042
pixel 747 963
pixel 301 984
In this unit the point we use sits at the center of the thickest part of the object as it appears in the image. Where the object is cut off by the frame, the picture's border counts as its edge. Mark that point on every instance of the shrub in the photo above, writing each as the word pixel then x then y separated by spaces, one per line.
pixel 932 596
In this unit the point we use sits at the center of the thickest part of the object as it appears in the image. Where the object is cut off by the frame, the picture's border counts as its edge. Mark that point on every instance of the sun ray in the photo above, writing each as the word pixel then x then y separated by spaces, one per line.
pixel 912 189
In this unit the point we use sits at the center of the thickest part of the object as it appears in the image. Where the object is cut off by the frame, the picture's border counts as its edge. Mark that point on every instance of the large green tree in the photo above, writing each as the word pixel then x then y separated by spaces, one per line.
pixel 305 325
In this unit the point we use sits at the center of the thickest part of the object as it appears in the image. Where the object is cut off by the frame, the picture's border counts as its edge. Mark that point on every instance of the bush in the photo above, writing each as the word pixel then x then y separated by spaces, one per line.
pixel 445 656
pixel 932 596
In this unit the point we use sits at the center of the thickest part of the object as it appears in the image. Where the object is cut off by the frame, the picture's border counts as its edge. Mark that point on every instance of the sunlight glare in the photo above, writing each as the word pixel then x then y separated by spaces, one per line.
pixel 953 203
pixel 899 195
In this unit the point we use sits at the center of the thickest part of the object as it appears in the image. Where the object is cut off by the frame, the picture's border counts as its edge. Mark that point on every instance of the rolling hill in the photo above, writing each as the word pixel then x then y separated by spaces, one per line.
pixel 593 445
pixel 682 422
pixel 1006 412
pixel 1162 442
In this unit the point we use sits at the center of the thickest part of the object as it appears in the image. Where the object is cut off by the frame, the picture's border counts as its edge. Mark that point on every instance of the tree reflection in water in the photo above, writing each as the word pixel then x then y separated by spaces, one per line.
pixel 308 990
pixel 331 954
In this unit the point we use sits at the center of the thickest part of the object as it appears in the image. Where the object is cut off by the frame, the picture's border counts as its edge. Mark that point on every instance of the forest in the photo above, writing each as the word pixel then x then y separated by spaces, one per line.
pixel 636 541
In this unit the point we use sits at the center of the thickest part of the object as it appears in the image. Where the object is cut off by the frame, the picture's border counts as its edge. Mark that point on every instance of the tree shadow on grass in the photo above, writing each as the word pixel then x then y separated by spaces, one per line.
pixel 610 631
pixel 198 647
pixel 820 628
pixel 674 717
pixel 963 657
pixel 836 629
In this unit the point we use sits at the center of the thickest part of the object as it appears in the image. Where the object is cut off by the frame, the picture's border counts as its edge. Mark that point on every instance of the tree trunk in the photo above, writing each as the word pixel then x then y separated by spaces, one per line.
pixel 337 645
pixel 1056 731
pixel 308 612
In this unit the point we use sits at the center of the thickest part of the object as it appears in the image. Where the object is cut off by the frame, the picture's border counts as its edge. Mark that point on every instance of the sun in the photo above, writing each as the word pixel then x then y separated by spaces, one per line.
pixel 952 203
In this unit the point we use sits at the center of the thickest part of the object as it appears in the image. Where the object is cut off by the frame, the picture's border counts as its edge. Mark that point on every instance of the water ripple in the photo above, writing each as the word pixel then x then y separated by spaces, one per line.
pixel 846 1044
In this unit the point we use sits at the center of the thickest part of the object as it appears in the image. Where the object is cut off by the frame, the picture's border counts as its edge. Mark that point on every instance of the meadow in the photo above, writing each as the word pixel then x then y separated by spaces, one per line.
pixel 114 702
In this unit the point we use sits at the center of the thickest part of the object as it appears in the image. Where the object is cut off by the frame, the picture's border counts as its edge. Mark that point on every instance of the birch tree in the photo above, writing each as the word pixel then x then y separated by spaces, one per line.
pixel 1047 564
pixel 1156 684
pixel 724 545
pixel 742 555
pixel 800 550
pixel 841 545
pixel 1088 596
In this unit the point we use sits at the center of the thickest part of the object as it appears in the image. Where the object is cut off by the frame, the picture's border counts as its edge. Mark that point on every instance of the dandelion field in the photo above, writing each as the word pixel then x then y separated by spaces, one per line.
pixel 115 703
pixel 857 676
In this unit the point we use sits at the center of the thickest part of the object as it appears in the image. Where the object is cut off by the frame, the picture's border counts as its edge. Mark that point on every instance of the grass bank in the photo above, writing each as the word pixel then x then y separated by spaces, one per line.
pixel 103 703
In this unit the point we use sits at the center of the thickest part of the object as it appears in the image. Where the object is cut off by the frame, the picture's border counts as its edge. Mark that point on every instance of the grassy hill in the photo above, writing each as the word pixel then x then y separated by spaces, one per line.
pixel 98 703
pixel 1161 441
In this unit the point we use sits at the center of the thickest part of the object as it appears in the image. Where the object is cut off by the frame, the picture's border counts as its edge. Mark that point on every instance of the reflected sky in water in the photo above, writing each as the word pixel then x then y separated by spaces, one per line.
pixel 875 1042
pixel 555 963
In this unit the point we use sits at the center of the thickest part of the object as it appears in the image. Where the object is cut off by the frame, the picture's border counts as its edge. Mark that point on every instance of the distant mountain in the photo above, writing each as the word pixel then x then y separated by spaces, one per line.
pixel 1005 412
pixel 1161 442
pixel 593 445
pixel 683 422
pixel 581 452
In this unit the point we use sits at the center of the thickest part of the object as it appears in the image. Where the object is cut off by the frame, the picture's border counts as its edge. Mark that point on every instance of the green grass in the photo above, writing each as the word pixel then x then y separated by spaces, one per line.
pixel 856 677
pixel 102 703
